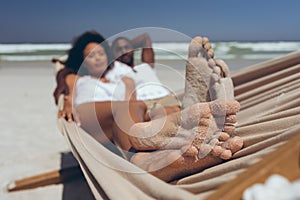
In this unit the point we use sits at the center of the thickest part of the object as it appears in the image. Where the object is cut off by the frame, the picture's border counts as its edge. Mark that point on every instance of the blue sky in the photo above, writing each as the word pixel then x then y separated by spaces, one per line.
pixel 220 20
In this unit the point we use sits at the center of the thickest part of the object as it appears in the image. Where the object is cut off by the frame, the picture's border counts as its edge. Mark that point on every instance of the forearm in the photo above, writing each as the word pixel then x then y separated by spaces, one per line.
pixel 67 110
pixel 148 56
pixel 144 41
pixel 61 87
pixel 70 82
pixel 129 89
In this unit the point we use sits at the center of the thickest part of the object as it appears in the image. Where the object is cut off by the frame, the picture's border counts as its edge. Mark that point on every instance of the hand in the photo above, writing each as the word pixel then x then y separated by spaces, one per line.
pixel 68 111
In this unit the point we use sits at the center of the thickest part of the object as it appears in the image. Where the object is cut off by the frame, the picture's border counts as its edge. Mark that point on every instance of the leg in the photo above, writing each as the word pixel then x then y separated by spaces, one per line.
pixel 125 115
pixel 110 121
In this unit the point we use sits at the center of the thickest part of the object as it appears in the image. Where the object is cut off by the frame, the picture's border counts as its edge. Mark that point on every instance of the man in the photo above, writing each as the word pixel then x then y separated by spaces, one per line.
pixel 123 49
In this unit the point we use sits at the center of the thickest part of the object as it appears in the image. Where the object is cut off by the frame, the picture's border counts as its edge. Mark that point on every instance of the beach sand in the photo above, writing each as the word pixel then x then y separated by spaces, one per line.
pixel 30 140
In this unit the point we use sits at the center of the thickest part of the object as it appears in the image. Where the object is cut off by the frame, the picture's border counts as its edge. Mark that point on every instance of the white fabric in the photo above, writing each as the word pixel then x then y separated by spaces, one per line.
pixel 147 85
pixel 118 71
pixel 89 89
pixel 276 187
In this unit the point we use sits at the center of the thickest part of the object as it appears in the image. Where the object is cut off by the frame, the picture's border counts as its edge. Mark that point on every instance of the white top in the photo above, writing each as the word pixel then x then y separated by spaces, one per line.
pixel 89 89
pixel 147 84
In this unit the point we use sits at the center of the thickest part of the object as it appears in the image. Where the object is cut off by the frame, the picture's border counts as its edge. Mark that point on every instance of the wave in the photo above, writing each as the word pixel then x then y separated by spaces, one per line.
pixel 163 51
pixel 29 57
pixel 21 48
pixel 235 50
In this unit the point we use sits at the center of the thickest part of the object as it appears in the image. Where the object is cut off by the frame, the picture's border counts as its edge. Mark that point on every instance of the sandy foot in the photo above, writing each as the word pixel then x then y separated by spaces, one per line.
pixel 199 136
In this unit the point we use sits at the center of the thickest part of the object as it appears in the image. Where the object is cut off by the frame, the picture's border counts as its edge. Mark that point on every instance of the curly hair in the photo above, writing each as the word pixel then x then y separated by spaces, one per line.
pixel 75 54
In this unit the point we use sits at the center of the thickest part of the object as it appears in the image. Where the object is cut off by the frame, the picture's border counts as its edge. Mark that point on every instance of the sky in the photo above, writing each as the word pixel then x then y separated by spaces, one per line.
pixel 51 21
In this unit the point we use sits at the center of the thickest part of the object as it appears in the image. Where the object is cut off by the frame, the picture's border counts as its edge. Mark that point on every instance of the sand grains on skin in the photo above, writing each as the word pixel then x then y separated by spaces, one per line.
pixel 188 150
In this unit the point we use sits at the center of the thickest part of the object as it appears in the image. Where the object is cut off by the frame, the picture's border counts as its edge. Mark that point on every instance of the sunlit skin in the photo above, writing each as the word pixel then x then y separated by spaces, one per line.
pixel 124 52
pixel 95 59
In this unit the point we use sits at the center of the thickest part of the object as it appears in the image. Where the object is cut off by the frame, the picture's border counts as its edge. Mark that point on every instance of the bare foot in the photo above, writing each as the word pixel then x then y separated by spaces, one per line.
pixel 206 79
pixel 220 83
pixel 203 123
pixel 198 71
pixel 179 130
pixel 172 164
pixel 202 135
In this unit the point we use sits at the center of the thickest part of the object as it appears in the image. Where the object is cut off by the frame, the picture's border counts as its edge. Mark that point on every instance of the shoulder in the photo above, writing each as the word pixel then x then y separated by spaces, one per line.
pixel 119 70
pixel 118 64
pixel 86 81
pixel 143 67
pixel 71 78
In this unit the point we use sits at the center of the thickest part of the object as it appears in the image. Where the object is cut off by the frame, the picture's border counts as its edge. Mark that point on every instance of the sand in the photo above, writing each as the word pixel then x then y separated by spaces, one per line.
pixel 30 140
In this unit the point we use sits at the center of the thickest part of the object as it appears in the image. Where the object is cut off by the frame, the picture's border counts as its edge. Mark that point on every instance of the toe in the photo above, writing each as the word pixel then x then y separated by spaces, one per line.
pixel 207 46
pixel 232 107
pixel 231 119
pixel 204 150
pixel 233 144
pixel 190 151
pixel 224 68
pixel 236 144
pixel 226 154
pixel 205 40
pixel 217 151
pixel 223 108
pixel 229 129
pixel 224 136
pixel 211 53
pixel 195 47
pixel 217 71
pixel 211 63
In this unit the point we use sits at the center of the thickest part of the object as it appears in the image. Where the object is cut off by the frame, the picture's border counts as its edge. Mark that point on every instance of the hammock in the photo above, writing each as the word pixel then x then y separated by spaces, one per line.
pixel 269 95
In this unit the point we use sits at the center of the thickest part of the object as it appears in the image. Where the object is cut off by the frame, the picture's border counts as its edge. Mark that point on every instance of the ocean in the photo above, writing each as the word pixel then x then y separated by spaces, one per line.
pixel 236 54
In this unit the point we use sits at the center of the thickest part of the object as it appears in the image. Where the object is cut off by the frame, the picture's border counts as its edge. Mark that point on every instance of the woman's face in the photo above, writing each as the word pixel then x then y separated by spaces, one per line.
pixel 95 59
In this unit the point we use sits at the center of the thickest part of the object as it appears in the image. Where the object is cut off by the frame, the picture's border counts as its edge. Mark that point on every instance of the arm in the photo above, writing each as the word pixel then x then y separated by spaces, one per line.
pixel 61 87
pixel 130 88
pixel 68 110
pixel 144 41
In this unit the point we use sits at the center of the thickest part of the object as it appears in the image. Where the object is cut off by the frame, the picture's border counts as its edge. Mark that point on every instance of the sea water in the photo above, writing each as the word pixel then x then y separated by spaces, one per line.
pixel 237 54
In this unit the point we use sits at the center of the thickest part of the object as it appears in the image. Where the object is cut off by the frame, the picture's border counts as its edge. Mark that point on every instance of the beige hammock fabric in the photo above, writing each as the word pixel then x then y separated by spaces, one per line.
pixel 269 94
